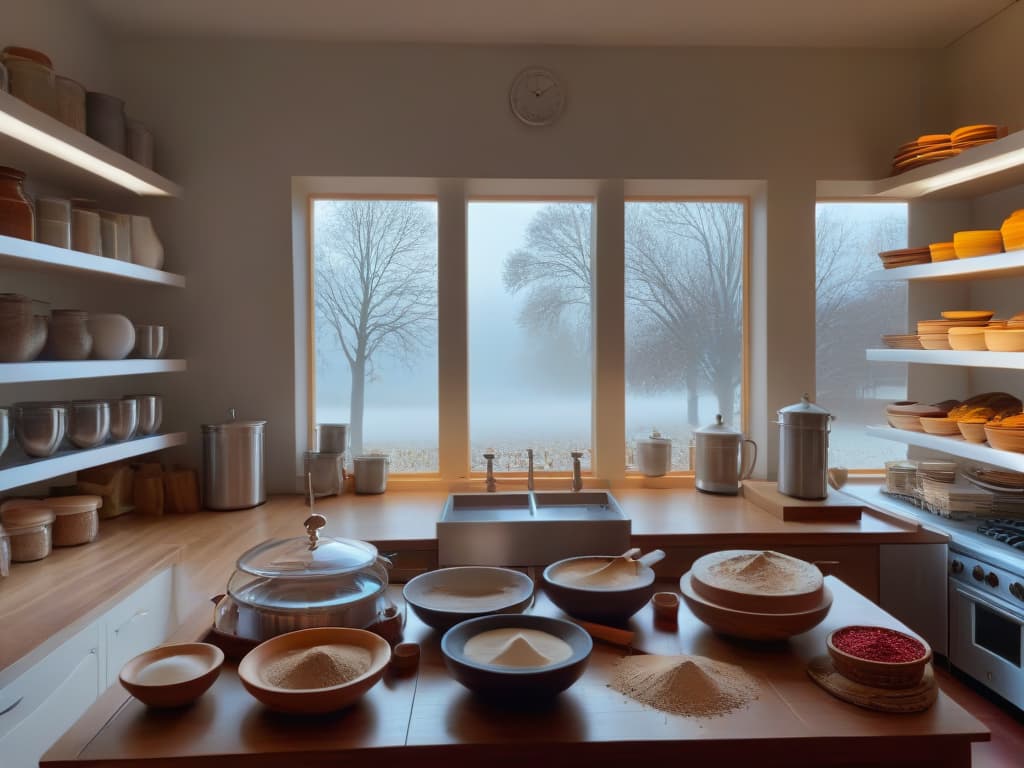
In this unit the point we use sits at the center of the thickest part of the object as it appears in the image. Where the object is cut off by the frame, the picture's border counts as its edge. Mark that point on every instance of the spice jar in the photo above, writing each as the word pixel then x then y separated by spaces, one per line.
pixel 5 553
pixel 29 529
pixel 17 218
pixel 77 520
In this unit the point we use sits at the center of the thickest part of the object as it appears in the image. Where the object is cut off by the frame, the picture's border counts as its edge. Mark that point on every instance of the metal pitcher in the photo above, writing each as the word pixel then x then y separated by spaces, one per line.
pixel 721 458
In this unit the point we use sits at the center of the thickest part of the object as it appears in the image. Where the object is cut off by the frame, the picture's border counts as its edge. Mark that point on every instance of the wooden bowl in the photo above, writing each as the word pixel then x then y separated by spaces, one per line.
pixel 879 674
pixel 606 605
pixel 905 421
pixel 753 626
pixel 939 426
pixel 313 700
pixel 172 675
pixel 517 683
pixel 487 591
pixel 973 432
pixel 1005 439
pixel 967 338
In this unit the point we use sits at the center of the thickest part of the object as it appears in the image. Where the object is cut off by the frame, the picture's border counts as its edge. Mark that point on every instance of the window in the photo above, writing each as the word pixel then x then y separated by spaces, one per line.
pixel 851 315
pixel 374 292
pixel 529 302
pixel 684 318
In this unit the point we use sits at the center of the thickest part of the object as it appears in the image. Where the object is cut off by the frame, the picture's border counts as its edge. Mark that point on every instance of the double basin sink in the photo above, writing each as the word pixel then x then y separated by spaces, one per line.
pixel 529 528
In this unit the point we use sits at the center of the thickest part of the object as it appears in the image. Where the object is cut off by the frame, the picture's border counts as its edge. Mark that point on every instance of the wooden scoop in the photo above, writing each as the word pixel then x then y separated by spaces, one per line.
pixel 623 565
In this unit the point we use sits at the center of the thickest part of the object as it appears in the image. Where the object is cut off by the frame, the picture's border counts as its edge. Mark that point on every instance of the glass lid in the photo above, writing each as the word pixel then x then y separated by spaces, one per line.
pixel 311 555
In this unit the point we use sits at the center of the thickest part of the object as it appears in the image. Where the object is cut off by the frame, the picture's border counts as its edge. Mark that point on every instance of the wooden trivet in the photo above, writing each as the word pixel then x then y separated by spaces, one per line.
pixel 916 699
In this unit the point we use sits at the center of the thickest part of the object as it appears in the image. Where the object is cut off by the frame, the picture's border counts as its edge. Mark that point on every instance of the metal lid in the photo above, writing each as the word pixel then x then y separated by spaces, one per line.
pixel 234 423
pixel 805 414
pixel 655 437
pixel 311 555
pixel 718 429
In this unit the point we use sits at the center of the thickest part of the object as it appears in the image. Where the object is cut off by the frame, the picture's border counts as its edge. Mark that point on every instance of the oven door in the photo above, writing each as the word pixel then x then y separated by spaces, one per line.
pixel 987 640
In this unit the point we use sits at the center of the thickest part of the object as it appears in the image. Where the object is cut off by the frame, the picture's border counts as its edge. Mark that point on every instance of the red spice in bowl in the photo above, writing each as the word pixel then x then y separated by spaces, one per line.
pixel 878 644
pixel 878 656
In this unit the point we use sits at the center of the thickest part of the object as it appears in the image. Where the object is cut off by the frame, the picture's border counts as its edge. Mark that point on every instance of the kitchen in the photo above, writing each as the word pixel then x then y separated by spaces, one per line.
pixel 230 118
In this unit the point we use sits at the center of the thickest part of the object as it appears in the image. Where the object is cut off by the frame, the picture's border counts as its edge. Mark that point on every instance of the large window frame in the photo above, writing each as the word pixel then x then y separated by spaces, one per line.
pixel 453 196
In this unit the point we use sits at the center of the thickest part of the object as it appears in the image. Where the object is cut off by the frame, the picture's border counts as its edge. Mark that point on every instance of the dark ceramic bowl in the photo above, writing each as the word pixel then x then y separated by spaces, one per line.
pixel 494 590
pixel 516 684
pixel 605 605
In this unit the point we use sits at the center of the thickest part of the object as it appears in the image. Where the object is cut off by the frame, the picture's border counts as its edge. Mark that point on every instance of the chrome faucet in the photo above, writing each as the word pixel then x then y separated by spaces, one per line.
pixel 529 469
pixel 577 478
pixel 492 486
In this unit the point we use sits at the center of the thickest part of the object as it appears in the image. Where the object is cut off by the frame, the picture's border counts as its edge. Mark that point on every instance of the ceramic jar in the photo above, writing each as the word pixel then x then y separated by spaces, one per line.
pixel 140 144
pixel 17 329
pixel 53 221
pixel 147 250
pixel 69 337
pixel 113 336
pixel 71 103
pixel 86 229
pixel 116 235
pixel 31 78
pixel 104 120
pixel 17 218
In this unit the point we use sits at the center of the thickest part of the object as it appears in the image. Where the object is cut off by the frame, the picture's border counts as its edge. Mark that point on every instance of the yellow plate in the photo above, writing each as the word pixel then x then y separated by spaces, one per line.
pixel 967 314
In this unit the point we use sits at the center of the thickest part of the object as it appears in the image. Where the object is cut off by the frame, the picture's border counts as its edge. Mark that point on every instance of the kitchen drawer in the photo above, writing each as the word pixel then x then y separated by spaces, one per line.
pixel 44 702
pixel 139 622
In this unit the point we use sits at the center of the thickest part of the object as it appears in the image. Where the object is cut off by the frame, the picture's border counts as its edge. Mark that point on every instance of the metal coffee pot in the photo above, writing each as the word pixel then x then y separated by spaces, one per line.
pixel 721 458
pixel 803 450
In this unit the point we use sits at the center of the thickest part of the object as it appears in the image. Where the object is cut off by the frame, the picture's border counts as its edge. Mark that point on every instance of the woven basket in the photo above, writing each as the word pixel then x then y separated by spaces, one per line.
pixel 879 674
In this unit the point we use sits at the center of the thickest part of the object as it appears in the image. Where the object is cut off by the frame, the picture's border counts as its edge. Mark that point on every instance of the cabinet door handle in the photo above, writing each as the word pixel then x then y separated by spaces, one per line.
pixel 138 615
pixel 11 706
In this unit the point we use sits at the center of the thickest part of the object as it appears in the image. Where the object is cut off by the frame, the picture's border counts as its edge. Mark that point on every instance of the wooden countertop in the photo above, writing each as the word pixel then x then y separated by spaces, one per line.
pixel 42 603
pixel 428 719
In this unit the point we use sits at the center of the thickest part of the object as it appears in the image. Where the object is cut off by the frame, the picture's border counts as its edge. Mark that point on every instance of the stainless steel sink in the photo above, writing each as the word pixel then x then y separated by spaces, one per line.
pixel 534 528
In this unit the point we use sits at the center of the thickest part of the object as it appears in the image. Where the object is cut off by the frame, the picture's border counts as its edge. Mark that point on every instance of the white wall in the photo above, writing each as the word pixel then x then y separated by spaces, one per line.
pixel 236 120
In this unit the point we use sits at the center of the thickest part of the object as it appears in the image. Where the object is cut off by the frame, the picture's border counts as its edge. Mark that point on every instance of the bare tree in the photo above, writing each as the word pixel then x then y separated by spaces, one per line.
pixel 375 285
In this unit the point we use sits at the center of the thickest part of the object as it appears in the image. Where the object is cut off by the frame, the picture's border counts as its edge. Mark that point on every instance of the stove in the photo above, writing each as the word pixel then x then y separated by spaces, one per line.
pixel 1010 532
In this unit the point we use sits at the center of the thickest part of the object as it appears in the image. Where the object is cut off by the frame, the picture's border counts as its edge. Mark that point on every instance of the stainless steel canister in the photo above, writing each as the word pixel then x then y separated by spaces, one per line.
pixel 233 464
pixel 803 450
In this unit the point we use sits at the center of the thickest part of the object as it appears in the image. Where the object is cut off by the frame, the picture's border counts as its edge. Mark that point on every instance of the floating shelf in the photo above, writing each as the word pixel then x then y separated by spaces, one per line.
pixel 62 370
pixel 66 462
pixel 45 148
pixel 954 446
pixel 975 359
pixel 1009 264
pixel 976 171
pixel 16 253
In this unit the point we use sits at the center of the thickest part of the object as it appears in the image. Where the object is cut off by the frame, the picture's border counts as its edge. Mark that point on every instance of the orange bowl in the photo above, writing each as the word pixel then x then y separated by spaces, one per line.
pixel 1005 339
pixel 967 338
pixel 939 425
pixel 973 431
pixel 1005 439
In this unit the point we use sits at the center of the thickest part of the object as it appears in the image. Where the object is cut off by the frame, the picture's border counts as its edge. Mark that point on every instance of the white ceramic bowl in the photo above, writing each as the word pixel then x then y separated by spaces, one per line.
pixel 113 336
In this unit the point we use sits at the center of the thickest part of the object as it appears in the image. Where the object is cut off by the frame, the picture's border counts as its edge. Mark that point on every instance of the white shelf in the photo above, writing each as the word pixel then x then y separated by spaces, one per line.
pixel 16 253
pixel 66 462
pixel 63 370
pixel 45 148
pixel 975 171
pixel 1009 264
pixel 954 446
pixel 975 359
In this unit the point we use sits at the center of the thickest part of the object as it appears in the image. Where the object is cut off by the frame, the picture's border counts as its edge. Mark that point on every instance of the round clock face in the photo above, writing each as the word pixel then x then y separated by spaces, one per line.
pixel 537 96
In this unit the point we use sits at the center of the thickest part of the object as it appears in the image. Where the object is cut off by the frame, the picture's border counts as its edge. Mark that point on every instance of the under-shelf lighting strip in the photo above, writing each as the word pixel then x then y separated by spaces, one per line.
pixel 44 142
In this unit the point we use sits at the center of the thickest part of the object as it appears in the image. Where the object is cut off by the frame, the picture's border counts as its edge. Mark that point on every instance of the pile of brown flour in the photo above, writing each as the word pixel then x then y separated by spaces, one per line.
pixel 322 666
pixel 694 686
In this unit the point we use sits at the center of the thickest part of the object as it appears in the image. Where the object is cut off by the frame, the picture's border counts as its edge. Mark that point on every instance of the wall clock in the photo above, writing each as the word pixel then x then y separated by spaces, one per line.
pixel 537 96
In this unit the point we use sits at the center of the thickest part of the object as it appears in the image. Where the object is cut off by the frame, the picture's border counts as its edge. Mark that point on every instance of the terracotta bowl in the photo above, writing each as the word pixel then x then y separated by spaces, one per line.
pixel 608 605
pixel 172 675
pixel 520 684
pixel 879 674
pixel 313 700
pixel 753 626
pixel 1005 439
pixel 1005 339
pixel 967 338
pixel 494 590
pixel 973 432
pixel 903 421
pixel 939 426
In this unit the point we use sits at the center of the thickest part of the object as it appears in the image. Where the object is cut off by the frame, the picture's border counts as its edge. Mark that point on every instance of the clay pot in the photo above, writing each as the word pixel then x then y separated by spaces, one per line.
pixel 147 249
pixel 16 328
pixel 17 218
pixel 113 336
pixel 104 120
pixel 69 337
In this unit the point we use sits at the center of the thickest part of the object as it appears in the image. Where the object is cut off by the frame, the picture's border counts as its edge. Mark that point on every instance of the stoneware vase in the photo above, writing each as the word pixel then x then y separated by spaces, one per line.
pixel 113 336
pixel 69 337
pixel 147 251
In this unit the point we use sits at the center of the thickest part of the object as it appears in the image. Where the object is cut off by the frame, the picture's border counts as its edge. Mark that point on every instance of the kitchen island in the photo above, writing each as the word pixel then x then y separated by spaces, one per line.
pixel 428 719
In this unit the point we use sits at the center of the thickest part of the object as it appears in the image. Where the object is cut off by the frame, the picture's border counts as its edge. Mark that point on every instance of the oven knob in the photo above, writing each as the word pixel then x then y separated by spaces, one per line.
pixel 991 579
pixel 1017 590
pixel 956 566
pixel 978 573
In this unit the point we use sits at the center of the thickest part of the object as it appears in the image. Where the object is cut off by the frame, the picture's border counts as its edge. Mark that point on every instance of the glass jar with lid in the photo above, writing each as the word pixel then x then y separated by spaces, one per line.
pixel 309 581
pixel 29 528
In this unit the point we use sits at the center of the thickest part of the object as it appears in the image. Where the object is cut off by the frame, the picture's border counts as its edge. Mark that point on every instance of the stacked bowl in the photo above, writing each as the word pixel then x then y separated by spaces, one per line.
pixel 756 595
pixel 1006 434
pixel 977 242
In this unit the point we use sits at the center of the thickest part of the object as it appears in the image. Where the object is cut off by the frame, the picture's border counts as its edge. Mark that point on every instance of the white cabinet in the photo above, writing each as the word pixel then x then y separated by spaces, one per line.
pixel 42 703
